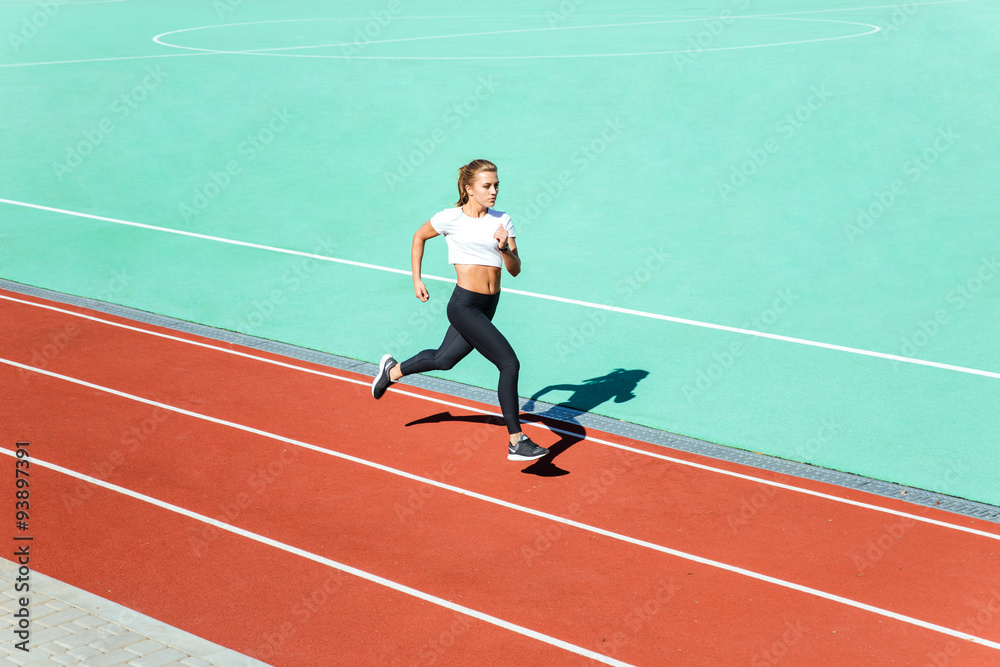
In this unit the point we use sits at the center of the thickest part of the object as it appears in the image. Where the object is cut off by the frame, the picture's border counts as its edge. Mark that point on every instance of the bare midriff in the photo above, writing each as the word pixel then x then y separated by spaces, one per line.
pixel 478 278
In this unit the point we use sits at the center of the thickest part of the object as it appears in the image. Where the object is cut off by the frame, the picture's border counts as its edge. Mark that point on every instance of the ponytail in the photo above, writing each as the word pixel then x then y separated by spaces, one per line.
pixel 467 174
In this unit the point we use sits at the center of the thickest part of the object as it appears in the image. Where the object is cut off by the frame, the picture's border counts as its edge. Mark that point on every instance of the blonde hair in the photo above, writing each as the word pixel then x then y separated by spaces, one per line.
pixel 467 174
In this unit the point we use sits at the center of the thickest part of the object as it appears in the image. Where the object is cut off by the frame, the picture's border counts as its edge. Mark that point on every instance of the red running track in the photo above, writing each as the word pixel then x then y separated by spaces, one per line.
pixel 271 506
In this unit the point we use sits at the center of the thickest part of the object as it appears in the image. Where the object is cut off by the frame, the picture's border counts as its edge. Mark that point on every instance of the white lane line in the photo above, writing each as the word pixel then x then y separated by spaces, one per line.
pixel 206 237
pixel 526 510
pixel 665 19
pixel 39 4
pixel 267 51
pixel 102 60
pixel 920 3
pixel 212 52
pixel 668 19
pixel 270 53
pixel 535 295
pixel 374 578
pixel 274 51
pixel 469 408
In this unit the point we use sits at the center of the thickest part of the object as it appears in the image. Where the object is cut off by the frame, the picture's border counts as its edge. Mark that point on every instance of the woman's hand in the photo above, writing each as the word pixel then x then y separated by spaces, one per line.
pixel 425 232
pixel 501 236
pixel 420 290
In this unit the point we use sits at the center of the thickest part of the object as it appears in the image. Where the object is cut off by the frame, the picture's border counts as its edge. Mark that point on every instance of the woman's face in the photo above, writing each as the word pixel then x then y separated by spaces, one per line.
pixel 484 188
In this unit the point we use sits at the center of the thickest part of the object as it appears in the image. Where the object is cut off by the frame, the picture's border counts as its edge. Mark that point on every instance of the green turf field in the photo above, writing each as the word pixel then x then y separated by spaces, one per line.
pixel 813 170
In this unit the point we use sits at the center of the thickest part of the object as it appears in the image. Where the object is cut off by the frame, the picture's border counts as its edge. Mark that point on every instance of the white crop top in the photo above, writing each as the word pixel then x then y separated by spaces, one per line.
pixel 470 240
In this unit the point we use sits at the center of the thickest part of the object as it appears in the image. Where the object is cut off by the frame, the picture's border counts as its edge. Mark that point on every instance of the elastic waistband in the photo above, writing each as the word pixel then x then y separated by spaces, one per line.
pixel 475 298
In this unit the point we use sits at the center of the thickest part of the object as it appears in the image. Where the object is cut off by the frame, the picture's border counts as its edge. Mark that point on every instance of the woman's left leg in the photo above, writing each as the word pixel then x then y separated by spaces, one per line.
pixel 476 327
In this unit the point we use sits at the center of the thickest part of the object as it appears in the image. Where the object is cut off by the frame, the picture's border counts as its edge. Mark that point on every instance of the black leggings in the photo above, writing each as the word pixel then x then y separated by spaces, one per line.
pixel 471 315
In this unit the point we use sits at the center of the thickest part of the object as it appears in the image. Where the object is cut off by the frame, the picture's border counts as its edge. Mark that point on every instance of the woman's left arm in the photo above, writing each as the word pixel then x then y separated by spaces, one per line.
pixel 510 257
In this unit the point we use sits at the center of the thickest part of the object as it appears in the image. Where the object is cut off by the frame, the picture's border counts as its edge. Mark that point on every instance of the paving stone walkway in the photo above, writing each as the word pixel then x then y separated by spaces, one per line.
pixel 70 626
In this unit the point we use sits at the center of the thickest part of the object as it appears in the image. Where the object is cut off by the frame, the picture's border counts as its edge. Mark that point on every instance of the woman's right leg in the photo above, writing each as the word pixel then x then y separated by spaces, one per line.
pixel 453 349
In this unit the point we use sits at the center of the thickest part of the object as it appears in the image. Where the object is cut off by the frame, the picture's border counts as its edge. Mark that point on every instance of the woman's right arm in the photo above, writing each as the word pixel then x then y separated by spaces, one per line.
pixel 425 232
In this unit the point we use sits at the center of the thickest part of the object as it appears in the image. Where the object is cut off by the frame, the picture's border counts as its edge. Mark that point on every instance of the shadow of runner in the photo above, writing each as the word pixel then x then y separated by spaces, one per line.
pixel 619 385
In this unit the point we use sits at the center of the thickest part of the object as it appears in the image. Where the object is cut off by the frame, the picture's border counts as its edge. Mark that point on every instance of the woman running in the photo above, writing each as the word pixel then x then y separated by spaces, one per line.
pixel 480 241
